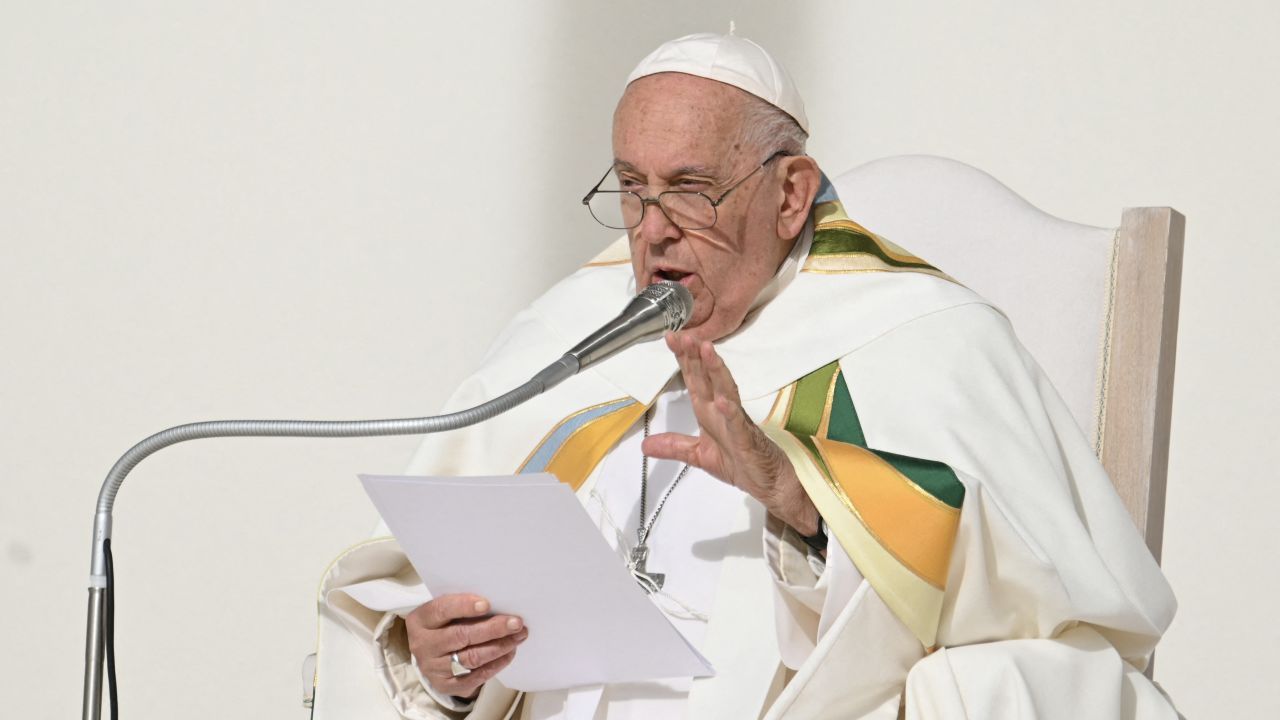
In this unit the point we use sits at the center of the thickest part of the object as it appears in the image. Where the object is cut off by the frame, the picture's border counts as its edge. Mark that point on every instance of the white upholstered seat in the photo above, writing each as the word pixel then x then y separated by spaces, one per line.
pixel 1050 276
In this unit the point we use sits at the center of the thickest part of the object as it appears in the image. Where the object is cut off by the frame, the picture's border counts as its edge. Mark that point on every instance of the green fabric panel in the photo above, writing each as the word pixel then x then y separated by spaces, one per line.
pixel 933 477
pixel 810 400
pixel 834 241
pixel 844 425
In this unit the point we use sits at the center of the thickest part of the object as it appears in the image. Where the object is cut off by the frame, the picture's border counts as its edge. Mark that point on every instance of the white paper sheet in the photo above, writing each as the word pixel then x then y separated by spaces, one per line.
pixel 525 543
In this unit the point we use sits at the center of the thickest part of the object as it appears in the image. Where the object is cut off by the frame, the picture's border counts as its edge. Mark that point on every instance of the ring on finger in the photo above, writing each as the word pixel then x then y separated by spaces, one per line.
pixel 456 667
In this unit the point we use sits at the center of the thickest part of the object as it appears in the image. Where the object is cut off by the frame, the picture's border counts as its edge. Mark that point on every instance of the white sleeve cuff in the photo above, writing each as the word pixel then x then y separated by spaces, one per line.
pixel 796 568
pixel 798 589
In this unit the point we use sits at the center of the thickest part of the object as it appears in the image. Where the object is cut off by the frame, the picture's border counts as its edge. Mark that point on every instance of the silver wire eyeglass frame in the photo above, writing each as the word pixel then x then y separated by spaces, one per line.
pixel 670 194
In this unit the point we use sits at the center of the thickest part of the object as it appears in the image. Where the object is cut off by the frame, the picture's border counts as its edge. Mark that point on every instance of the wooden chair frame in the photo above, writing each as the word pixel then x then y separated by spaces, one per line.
pixel 1135 410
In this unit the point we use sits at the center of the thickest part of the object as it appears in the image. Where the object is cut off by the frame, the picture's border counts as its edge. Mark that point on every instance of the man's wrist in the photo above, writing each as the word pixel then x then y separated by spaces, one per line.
pixel 818 540
pixel 794 507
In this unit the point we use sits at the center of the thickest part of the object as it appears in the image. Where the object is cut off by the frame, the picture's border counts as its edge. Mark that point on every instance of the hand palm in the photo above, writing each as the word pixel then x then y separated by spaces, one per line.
pixel 729 446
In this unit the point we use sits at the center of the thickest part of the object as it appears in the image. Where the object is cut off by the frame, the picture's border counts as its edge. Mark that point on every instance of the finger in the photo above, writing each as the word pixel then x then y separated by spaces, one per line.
pixel 478 656
pixel 725 418
pixel 472 656
pixel 722 382
pixel 671 446
pixel 443 610
pixel 675 341
pixel 691 369
pixel 486 629
pixel 738 427
pixel 680 344
pixel 463 633
pixel 733 413
pixel 468 684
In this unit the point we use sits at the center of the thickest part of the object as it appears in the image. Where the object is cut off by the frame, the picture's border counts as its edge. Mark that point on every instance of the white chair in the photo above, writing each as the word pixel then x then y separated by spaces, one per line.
pixel 1097 307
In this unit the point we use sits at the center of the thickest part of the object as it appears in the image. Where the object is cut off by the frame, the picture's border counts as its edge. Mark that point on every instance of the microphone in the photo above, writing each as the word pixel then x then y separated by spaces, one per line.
pixel 658 308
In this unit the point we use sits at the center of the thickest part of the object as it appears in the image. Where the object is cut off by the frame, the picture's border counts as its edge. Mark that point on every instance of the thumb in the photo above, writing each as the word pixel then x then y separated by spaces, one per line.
pixel 671 446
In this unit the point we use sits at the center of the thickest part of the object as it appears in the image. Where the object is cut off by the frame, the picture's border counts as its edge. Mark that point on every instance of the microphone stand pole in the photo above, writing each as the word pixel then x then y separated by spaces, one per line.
pixel 95 638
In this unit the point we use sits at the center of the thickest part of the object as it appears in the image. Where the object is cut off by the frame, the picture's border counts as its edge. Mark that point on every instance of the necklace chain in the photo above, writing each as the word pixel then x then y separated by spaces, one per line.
pixel 642 532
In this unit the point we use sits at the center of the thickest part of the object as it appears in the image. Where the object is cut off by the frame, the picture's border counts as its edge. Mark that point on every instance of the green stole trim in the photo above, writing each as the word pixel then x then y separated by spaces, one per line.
pixel 823 395
pixel 841 245
pixel 845 241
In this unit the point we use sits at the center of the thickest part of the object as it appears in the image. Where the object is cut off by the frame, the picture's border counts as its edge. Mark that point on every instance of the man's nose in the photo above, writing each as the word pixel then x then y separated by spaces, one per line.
pixel 655 226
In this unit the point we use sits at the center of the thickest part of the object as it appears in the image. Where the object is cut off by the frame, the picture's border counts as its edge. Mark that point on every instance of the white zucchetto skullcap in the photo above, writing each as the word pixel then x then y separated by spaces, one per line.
pixel 731 60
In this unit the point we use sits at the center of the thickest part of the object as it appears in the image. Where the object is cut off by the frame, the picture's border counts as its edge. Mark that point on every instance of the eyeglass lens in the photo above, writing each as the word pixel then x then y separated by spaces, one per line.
pixel 623 210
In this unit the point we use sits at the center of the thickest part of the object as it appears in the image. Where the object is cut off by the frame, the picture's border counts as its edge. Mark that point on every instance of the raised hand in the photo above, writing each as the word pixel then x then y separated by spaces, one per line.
pixel 729 445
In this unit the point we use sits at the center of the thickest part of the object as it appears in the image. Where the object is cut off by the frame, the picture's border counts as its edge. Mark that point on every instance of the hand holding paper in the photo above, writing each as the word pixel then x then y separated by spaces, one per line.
pixel 524 543
pixel 460 625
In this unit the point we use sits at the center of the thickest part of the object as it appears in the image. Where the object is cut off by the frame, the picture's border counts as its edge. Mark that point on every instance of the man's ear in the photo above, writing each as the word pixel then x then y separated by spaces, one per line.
pixel 800 180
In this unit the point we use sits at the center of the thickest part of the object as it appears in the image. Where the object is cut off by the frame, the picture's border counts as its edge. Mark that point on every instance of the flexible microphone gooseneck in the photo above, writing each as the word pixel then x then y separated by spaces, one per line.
pixel 657 309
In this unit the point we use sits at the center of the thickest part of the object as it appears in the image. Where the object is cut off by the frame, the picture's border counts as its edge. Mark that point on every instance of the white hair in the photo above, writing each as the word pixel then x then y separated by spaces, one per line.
pixel 768 129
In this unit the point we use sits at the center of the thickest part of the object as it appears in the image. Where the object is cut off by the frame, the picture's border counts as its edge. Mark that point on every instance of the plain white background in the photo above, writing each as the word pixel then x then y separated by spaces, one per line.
pixel 327 210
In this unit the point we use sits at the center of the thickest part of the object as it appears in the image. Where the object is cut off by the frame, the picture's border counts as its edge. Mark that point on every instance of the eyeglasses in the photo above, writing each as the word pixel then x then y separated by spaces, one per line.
pixel 623 209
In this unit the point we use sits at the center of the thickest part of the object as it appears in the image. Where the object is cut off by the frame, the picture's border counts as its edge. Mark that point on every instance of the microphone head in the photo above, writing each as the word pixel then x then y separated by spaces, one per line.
pixel 660 307
pixel 675 301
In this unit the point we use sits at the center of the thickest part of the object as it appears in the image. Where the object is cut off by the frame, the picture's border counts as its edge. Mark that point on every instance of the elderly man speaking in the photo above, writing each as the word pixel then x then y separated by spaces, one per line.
pixel 844 481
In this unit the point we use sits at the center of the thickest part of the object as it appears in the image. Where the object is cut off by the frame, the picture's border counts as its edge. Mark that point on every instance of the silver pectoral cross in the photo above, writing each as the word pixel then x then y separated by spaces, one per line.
pixel 651 582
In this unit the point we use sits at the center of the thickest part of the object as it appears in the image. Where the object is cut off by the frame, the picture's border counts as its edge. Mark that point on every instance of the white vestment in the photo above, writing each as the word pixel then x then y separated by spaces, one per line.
pixel 1048 608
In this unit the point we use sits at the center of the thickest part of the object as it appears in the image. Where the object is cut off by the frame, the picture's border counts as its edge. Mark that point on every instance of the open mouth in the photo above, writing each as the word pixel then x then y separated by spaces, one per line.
pixel 671 275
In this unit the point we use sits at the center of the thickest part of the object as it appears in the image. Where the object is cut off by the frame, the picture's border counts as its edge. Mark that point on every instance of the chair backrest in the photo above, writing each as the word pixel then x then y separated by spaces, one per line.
pixel 1097 307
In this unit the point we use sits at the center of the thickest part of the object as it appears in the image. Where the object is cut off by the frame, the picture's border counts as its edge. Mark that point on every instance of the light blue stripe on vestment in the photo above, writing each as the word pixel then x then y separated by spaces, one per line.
pixel 542 456
pixel 826 191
